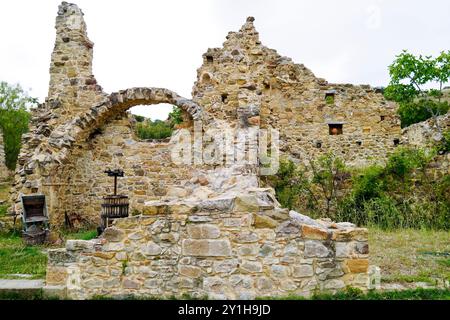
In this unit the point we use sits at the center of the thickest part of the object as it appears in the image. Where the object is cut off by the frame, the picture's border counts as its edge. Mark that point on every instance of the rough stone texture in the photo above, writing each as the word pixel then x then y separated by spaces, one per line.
pixel 213 258
pixel 4 171
pixel 196 229
pixel 244 78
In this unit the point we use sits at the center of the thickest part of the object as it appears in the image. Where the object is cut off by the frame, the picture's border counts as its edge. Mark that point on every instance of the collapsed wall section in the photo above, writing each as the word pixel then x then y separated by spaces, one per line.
pixel 227 248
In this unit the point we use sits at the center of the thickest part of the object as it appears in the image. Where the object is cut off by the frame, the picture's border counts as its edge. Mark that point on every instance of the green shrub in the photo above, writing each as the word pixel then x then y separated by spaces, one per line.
pixel 402 194
pixel 414 112
pixel 153 130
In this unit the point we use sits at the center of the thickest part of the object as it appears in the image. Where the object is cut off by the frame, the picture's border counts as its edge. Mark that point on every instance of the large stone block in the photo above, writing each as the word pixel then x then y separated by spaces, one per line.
pixel 206 248
pixel 315 248
pixel 203 231
pixel 356 265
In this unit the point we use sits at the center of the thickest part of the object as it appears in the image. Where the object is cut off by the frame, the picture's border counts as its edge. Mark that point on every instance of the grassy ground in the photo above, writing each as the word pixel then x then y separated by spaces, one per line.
pixel 411 255
pixel 347 294
pixel 17 258
pixel 81 235
pixel 4 195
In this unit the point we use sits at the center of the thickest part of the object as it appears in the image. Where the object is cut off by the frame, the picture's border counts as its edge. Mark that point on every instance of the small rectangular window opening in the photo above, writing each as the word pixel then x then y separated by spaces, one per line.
pixel 329 97
pixel 335 128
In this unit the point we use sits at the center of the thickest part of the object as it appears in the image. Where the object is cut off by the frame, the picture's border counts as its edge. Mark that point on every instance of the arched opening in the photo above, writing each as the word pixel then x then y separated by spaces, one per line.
pixel 103 138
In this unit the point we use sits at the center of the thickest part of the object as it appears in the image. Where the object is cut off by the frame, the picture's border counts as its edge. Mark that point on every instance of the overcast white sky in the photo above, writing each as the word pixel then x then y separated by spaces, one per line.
pixel 160 43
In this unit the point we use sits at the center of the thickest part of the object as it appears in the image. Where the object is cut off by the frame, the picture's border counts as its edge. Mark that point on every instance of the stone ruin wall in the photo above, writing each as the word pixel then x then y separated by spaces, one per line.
pixel 80 131
pixel 222 248
pixel 427 134
pixel 289 98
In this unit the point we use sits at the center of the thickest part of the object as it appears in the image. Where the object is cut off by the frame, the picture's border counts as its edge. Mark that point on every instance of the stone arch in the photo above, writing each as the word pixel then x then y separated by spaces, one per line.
pixel 82 125
pixel 56 151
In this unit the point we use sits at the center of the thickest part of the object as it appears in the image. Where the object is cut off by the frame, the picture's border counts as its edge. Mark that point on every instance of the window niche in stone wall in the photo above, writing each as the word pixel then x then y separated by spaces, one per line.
pixel 335 129
pixel 224 97
pixel 329 96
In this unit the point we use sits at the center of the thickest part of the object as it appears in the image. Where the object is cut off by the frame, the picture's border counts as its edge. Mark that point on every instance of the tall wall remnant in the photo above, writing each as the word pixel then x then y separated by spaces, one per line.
pixel 305 109
pixel 4 171
pixel 198 229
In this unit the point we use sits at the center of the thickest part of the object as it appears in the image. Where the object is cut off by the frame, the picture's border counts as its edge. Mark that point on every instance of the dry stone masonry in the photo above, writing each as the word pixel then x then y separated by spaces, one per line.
pixel 239 247
pixel 197 229
pixel 4 171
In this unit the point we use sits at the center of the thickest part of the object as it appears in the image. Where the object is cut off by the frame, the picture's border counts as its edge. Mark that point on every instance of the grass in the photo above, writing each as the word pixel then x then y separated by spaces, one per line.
pixel 411 255
pixel 81 235
pixel 356 294
pixel 17 258
pixel 347 294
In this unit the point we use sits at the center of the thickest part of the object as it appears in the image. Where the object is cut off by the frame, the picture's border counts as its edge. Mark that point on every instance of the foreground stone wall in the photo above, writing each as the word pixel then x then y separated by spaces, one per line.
pixel 287 96
pixel 228 248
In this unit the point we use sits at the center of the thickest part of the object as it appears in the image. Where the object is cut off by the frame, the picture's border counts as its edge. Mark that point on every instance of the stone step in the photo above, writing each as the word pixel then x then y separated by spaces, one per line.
pixel 24 288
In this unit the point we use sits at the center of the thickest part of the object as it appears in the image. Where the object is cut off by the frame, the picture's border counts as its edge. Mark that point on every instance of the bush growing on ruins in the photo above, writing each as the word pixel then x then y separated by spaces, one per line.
pixel 401 194
pixel 411 78
pixel 14 119
pixel 317 187
pixel 153 129
pixel 147 129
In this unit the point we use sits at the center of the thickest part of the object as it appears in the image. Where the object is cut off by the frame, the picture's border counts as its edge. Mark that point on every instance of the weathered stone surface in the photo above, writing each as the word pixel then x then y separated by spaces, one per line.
pixel 316 233
pixel 113 234
pixel 315 249
pixel 261 221
pixel 190 271
pixel 206 248
pixel 251 266
pixel 203 231
pixel 151 249
pixel 356 265
pixel 203 228
pixel 302 271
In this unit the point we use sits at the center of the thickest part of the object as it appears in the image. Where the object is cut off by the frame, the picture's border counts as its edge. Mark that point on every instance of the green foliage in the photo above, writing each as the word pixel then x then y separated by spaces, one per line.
pixel 351 293
pixel 444 145
pixel 314 187
pixel 15 257
pixel 329 99
pixel 3 209
pixel 147 129
pixel 414 112
pixel 402 194
pixel 176 116
pixel 153 130
pixel 139 118
pixel 411 78
pixel 14 119
pixel 82 235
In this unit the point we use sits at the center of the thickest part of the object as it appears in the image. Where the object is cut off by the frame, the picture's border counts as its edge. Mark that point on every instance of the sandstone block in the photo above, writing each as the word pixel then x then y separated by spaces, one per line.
pixel 251 266
pixel 56 275
pixel 356 265
pixel 303 270
pixel 313 232
pixel 113 234
pixel 206 248
pixel 315 248
pixel 151 249
pixel 189 271
pixel 203 231
pixel 261 221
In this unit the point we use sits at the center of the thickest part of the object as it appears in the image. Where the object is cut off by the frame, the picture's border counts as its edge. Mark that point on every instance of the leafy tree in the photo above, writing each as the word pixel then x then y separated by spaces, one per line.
pixel 176 116
pixel 411 85
pixel 14 119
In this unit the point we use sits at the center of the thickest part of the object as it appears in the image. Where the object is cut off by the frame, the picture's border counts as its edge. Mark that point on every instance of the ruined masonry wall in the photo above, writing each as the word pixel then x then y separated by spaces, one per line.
pixel 4 171
pixel 245 74
pixel 80 184
pixel 230 253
